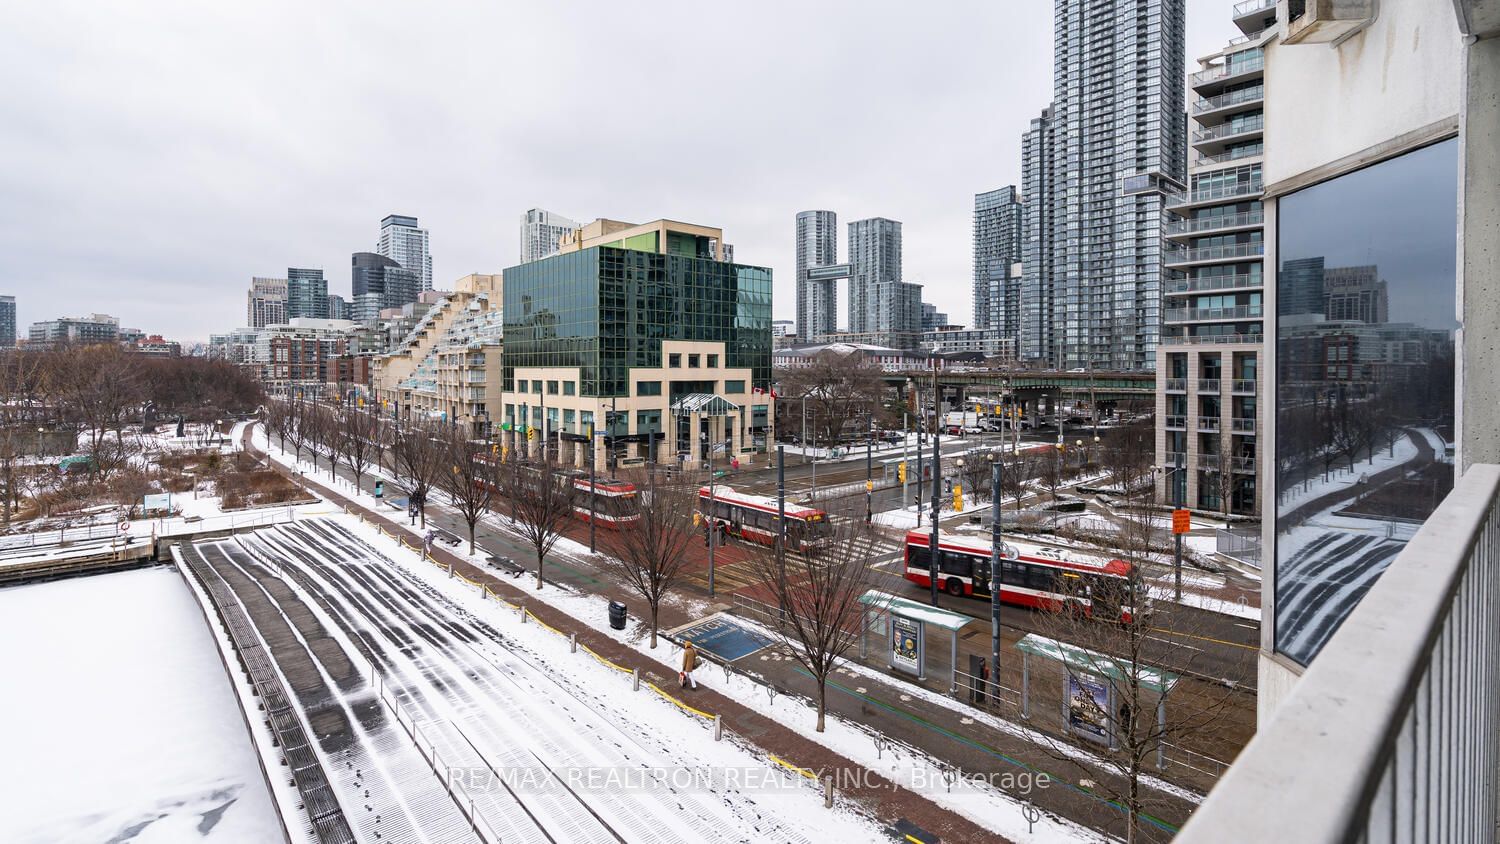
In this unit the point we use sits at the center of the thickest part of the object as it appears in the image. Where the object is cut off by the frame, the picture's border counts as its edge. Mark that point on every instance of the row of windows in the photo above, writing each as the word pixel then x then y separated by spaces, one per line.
pixel 674 361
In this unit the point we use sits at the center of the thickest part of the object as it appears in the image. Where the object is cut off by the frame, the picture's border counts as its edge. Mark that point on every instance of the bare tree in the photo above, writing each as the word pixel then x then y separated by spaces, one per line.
pixel 542 500
pixel 361 440
pixel 819 598
pixel 97 386
pixel 839 388
pixel 469 483
pixel 417 453
pixel 650 553
pixel 19 372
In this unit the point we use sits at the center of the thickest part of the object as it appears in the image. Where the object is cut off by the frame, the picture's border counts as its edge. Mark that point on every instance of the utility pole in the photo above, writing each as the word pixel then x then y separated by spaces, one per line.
pixel 997 545
pixel 593 512
pixel 905 469
pixel 1177 537
pixel 781 525
pixel 934 551
pixel 869 481
pixel 713 527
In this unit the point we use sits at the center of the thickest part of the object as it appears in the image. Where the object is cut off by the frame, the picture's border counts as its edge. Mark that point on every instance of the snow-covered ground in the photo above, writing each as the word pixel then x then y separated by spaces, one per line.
pixel 1342 477
pixel 121 724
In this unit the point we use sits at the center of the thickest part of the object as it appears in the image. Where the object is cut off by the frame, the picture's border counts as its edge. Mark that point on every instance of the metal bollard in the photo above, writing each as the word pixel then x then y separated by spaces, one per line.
pixel 828 791
pixel 718 728
pixel 522 608
pixel 573 643
pixel 450 569
pixel 635 679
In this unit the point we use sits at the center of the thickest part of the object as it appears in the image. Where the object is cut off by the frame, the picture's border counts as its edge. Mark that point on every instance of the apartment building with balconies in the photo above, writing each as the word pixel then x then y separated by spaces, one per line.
pixel 1208 362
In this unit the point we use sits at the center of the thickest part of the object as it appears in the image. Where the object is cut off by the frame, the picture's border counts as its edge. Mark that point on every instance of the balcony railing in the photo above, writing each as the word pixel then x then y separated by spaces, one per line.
pixel 1220 221
pixel 1256 61
pixel 1236 154
pixel 1250 7
pixel 1208 424
pixel 1250 188
pixel 1216 253
pixel 1212 339
pixel 1244 385
pixel 1390 733
pixel 1244 464
pixel 1176 385
pixel 1234 127
pixel 1242 426
pixel 1171 459
pixel 1239 281
pixel 1244 95
pixel 1208 385
pixel 1179 422
pixel 1206 314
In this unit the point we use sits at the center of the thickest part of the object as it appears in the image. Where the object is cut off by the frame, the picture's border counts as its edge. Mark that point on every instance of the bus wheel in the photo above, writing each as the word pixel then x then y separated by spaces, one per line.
pixel 955 587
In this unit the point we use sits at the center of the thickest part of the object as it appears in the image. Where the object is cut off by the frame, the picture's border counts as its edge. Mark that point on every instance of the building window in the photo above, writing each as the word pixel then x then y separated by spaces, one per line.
pixel 1363 432
pixel 568 387
pixel 521 385
pixel 648 388
pixel 551 388
pixel 674 361
pixel 536 386
pixel 713 361
pixel 731 387
pixel 693 361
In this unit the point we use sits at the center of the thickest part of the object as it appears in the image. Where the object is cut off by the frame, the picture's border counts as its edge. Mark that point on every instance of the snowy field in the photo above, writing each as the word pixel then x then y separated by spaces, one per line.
pixel 121 723
pixel 1342 477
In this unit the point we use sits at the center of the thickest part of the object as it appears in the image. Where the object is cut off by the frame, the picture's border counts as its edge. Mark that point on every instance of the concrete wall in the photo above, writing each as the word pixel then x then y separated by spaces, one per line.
pixel 1390 88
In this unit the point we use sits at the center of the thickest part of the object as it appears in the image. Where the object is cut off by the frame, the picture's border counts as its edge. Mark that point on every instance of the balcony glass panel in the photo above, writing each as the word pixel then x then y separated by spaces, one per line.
pixel 1364 381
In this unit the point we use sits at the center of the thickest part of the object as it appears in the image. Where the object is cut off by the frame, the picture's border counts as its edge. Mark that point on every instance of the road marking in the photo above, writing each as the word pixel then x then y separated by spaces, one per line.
pixel 1174 644
pixel 1246 626
pixel 1172 632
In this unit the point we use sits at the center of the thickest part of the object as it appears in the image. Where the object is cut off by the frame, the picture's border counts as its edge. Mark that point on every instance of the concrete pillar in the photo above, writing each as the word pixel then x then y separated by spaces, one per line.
pixel 1479 255
pixel 581 456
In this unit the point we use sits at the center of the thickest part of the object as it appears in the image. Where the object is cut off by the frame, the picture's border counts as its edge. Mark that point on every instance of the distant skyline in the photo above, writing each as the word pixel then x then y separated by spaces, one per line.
pixel 161 154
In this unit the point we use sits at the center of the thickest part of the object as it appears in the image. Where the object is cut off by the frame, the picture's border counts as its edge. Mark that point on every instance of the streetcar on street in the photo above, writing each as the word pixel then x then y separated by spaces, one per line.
pixel 1030 575
pixel 753 518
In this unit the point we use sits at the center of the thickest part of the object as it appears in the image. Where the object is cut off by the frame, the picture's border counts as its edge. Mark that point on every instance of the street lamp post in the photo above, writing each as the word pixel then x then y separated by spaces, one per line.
pixel 934 550
pixel 997 517
pixel 712 510
pixel 593 491
pixel 869 481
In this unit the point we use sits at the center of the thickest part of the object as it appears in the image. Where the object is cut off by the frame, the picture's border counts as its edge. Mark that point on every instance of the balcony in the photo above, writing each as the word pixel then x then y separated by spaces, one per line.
pixel 1244 464
pixel 1242 426
pixel 1208 385
pixel 1250 7
pixel 1176 385
pixel 1225 130
pixel 1389 735
pixel 1218 192
pixel 1253 94
pixel 1212 339
pixel 1232 252
pixel 1240 281
pixel 1173 459
pixel 1175 422
pixel 1244 386
pixel 1237 154
pixel 1218 222
pixel 1208 424
pixel 1211 314
pixel 1245 62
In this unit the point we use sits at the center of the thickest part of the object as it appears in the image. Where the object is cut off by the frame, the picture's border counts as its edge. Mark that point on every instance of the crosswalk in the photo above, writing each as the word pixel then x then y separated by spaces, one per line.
pixel 875 551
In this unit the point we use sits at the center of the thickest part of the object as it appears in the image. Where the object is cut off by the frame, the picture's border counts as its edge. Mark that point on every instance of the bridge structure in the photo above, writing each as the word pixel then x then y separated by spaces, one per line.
pixel 1036 392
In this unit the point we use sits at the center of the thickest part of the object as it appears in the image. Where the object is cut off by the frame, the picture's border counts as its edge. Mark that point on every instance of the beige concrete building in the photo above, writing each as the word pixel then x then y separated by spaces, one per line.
pixel 667 237
pixel 447 368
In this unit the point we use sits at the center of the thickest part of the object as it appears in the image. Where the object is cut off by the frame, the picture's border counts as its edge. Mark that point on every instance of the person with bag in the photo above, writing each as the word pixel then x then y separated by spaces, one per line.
pixel 689 662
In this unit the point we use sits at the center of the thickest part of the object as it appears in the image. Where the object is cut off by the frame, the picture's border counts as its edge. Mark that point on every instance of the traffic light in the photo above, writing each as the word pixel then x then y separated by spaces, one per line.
pixel 869 486
pixel 901 471
pixel 958 498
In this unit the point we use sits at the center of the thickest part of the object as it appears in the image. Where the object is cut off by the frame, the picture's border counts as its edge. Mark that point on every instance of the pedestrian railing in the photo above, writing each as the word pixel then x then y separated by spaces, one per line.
pixel 1390 733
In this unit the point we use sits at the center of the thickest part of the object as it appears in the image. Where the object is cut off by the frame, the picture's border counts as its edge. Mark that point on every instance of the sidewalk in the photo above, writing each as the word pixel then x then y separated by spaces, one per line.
pixel 944 729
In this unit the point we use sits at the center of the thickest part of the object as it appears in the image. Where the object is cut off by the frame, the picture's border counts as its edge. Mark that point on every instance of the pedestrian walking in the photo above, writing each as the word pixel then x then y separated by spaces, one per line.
pixel 427 541
pixel 689 662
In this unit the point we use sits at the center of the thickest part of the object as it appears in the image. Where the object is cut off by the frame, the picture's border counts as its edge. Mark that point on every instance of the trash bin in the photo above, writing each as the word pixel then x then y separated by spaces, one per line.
pixel 617 615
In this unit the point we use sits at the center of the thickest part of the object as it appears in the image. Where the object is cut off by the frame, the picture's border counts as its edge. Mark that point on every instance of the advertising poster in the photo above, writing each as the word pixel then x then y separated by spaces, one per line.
pixel 906 644
pixel 1088 707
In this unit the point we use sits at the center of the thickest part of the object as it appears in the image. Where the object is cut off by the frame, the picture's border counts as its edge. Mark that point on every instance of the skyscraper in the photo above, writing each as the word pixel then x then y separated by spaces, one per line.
pixel 817 298
pixel 997 245
pixel 7 322
pixel 306 294
pixel 1034 333
pixel 880 303
pixel 338 307
pixel 540 230
pixel 380 282
pixel 406 244
pixel 266 302
pixel 1118 143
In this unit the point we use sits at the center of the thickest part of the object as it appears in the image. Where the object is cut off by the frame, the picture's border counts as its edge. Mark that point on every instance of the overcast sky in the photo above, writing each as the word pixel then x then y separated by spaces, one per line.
pixel 156 155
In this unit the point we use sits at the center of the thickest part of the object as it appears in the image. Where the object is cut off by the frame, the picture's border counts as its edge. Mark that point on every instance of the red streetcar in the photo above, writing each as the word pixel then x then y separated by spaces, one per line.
pixel 614 501
pixel 753 517
pixel 1030 575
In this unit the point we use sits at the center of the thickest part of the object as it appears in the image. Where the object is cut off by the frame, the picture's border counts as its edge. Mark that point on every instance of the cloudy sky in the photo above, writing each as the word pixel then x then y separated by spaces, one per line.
pixel 156 155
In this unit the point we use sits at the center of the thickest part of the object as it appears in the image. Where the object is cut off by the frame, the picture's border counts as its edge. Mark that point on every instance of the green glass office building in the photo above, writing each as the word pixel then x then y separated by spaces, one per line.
pixel 606 310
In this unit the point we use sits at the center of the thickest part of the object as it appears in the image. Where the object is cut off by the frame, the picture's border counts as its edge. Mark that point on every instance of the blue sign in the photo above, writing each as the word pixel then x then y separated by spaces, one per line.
pixel 724 638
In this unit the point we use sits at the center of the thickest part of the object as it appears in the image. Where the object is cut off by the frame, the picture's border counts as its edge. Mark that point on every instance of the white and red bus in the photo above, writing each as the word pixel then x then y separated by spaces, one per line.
pixel 753 517
pixel 614 501
pixel 1030 575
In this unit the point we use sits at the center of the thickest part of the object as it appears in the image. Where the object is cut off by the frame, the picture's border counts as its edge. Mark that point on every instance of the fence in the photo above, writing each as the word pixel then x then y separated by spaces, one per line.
pixel 1242 545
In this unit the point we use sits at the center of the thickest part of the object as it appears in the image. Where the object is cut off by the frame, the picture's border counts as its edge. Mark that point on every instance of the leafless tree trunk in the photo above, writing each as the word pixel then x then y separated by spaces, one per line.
pixel 418 456
pixel 362 438
pixel 820 598
pixel 650 553
pixel 469 483
pixel 542 500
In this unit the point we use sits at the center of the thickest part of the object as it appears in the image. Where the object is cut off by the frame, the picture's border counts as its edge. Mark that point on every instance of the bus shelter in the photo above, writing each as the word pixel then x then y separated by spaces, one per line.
pixel 1090 678
pixel 906 635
